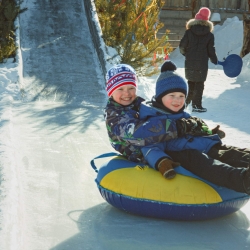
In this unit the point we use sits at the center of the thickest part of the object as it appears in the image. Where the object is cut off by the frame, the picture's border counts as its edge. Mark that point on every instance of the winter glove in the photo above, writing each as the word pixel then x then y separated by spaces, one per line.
pixel 197 127
pixel 220 133
pixel 213 131
pixel 166 168
pixel 199 121
pixel 202 125
pixel 192 126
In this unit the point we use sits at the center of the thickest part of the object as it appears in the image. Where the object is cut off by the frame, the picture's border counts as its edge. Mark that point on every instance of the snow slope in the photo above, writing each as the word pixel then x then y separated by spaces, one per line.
pixel 52 126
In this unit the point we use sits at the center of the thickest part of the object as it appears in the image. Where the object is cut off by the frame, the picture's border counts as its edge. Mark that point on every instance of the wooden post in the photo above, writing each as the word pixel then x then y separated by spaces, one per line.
pixel 195 6
pixel 246 39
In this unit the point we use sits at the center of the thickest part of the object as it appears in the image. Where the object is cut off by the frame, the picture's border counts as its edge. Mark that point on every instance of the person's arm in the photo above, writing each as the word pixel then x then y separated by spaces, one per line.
pixel 211 51
pixel 215 130
pixel 184 44
pixel 127 126
pixel 196 127
pixel 154 154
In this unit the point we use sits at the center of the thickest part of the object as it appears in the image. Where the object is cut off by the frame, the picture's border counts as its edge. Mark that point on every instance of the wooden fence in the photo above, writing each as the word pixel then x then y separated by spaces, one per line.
pixel 214 5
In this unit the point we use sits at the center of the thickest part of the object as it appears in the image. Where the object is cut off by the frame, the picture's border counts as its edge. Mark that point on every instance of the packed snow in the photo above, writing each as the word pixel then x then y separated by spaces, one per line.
pixel 94 224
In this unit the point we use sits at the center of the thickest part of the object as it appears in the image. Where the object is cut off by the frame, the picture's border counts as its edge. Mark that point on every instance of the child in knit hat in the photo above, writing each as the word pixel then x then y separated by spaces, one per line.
pixel 126 131
pixel 161 131
pixel 197 148
pixel 197 45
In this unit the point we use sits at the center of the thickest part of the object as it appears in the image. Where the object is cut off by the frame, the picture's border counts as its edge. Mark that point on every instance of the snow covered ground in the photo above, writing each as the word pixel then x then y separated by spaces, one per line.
pixel 49 199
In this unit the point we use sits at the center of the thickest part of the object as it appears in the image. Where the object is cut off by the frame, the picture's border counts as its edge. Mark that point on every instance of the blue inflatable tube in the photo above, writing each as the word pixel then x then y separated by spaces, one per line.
pixel 141 190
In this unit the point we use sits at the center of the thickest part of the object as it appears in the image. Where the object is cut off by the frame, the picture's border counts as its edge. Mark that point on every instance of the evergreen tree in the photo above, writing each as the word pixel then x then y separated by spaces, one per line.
pixel 9 10
pixel 130 26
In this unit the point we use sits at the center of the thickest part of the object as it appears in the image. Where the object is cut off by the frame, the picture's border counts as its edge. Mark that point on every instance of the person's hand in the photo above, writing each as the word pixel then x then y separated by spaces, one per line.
pixel 219 132
pixel 213 131
pixel 193 125
pixel 166 168
pixel 197 127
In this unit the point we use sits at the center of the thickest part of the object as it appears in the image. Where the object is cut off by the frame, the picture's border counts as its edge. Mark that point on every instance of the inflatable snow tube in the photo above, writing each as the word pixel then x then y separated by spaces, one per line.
pixel 141 190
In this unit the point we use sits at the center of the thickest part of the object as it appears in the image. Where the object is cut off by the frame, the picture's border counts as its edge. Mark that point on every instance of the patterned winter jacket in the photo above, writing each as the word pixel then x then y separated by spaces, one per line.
pixel 154 153
pixel 197 45
pixel 128 133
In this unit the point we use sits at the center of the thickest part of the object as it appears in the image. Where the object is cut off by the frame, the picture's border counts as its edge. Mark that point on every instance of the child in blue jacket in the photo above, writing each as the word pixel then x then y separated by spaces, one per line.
pixel 197 148
pixel 162 131
pixel 127 132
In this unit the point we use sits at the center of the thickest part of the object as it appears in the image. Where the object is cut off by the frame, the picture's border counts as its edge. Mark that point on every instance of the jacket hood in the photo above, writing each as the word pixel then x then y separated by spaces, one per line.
pixel 200 27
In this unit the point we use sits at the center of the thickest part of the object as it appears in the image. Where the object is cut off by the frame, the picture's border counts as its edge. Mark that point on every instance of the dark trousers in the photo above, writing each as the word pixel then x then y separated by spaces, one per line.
pixel 195 93
pixel 234 156
pixel 210 169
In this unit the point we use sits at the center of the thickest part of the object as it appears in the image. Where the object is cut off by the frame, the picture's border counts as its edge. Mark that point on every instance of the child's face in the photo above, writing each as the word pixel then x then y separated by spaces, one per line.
pixel 174 101
pixel 125 95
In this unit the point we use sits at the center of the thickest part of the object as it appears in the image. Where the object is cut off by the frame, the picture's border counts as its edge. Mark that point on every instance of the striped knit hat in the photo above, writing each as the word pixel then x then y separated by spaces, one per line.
pixel 169 81
pixel 120 75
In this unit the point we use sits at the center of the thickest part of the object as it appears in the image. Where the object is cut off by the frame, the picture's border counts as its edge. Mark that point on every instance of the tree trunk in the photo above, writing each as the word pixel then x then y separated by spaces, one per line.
pixel 246 40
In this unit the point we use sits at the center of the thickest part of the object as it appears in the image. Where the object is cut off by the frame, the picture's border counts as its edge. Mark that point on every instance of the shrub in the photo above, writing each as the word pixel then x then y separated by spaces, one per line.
pixel 8 13
pixel 130 26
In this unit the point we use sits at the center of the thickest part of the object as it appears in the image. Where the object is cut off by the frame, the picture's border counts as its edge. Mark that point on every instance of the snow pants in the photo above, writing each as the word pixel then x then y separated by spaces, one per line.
pixel 195 93
pixel 210 169
pixel 234 156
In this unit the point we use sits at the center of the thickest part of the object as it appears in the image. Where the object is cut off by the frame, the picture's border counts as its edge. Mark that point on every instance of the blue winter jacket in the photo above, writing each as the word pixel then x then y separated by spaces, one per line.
pixel 128 133
pixel 154 153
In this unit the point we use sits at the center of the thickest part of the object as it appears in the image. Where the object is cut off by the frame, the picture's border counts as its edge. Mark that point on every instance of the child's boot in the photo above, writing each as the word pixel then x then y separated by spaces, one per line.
pixel 166 168
pixel 199 109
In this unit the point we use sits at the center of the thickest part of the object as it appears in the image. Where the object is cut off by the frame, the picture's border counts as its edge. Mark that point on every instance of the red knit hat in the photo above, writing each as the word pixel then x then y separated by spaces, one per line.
pixel 120 75
pixel 203 14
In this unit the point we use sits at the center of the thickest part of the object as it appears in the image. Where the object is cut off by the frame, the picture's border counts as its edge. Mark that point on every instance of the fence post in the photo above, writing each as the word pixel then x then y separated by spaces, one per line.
pixel 246 40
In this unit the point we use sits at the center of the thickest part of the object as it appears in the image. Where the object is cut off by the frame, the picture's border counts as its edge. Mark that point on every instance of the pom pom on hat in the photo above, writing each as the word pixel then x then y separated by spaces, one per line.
pixel 203 14
pixel 169 81
pixel 120 75
pixel 168 66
